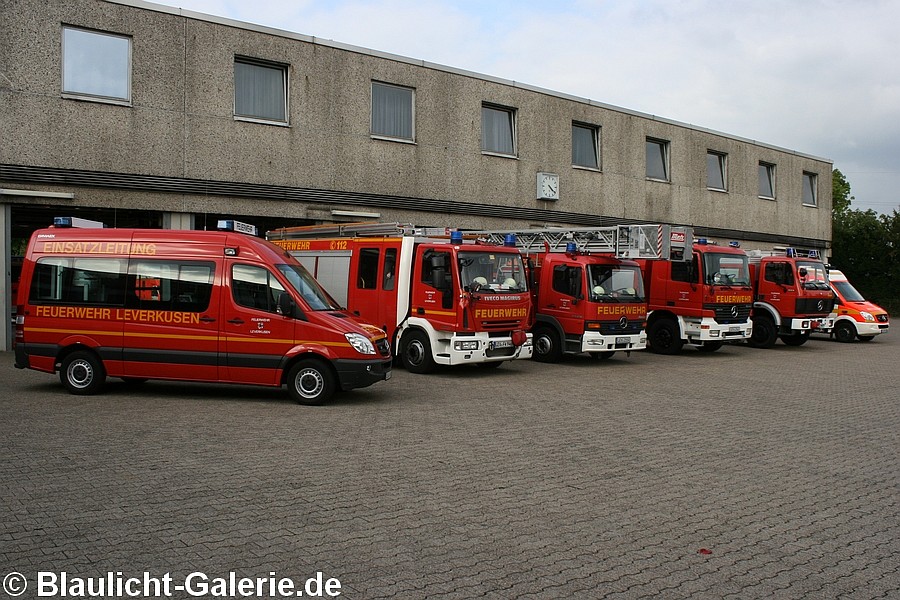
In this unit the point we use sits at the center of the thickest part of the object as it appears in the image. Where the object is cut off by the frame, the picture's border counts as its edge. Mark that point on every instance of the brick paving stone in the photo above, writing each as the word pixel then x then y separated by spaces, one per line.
pixel 576 480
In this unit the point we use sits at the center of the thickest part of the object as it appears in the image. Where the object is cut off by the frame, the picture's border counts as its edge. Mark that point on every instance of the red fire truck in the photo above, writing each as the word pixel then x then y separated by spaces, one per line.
pixel 441 300
pixel 791 296
pixel 588 294
pixel 704 301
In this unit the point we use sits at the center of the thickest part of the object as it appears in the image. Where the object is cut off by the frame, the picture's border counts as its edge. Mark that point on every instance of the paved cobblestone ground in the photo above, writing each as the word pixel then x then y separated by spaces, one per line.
pixel 740 474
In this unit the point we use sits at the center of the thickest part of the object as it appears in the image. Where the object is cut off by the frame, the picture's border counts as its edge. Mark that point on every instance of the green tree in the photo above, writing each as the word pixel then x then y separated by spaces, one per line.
pixel 866 246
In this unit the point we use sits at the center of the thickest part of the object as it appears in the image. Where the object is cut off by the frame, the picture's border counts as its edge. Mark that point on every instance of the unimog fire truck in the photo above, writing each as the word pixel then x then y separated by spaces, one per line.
pixel 588 292
pixel 791 296
pixel 704 301
pixel 441 300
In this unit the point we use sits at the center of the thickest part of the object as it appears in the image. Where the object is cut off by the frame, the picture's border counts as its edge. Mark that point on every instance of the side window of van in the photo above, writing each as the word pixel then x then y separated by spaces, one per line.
pixel 170 285
pixel 88 281
pixel 255 287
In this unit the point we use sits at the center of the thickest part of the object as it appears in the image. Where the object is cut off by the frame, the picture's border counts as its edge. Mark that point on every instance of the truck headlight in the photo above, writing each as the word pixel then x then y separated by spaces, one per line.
pixel 360 343
pixel 465 345
pixel 867 316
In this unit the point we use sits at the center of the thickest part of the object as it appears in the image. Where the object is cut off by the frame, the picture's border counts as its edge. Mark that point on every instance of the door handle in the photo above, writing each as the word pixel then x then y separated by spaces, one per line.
pixel 236 321
pixel 356 312
pixel 205 319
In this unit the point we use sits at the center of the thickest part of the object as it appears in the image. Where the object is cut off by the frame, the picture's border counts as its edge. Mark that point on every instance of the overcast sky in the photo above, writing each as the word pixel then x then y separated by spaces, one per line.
pixel 821 77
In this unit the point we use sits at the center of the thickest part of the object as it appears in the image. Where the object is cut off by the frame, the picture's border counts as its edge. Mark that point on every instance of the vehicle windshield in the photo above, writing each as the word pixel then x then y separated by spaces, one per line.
pixel 813 275
pixel 726 269
pixel 849 292
pixel 308 288
pixel 615 283
pixel 502 272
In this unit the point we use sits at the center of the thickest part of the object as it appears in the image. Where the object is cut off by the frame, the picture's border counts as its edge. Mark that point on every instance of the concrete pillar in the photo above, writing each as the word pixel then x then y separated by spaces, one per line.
pixel 174 220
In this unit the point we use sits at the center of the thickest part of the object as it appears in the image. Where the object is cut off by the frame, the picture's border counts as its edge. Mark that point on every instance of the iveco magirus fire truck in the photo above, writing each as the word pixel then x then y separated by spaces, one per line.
pixel 441 300
pixel 588 293
pixel 704 301
pixel 791 295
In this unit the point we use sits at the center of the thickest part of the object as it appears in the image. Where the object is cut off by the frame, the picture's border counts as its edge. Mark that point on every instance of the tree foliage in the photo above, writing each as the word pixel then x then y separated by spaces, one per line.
pixel 866 246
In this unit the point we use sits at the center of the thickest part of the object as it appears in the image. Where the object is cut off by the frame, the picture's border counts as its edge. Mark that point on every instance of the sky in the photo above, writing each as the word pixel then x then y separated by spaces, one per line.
pixel 820 77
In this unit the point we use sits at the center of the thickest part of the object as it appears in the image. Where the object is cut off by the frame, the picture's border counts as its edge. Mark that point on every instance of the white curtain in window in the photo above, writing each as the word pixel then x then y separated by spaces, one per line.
pixel 584 146
pixel 259 91
pixel 497 130
pixel 392 111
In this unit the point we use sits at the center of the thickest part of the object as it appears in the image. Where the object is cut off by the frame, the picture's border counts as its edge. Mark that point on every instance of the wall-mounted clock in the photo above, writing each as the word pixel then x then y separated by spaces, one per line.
pixel 547 186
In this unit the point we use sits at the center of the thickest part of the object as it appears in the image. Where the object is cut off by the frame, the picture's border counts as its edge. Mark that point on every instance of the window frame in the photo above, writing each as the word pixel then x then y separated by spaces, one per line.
pixel 511 113
pixel 89 96
pixel 412 113
pixel 285 90
pixel 813 180
pixel 722 165
pixel 770 176
pixel 594 131
pixel 664 147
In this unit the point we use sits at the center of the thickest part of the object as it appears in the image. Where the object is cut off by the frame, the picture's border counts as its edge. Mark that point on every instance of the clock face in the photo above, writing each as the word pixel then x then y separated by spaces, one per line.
pixel 548 186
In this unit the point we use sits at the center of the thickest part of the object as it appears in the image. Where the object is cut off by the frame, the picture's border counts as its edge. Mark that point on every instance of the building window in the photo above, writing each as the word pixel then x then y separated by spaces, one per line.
pixel 498 130
pixel 766 181
pixel 657 159
pixel 810 180
pixel 96 65
pixel 585 146
pixel 392 111
pixel 716 173
pixel 260 90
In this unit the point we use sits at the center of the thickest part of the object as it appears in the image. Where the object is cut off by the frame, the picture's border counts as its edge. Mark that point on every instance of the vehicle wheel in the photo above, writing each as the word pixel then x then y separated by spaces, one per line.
pixel 663 337
pixel 416 352
pixel 547 345
pixel 82 373
pixel 764 333
pixel 795 339
pixel 311 382
pixel 710 346
pixel 866 338
pixel 844 331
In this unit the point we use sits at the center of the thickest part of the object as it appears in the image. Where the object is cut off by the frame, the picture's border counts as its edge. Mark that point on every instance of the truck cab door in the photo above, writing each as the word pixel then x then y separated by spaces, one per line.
pixel 777 286
pixel 435 289
pixel 372 293
pixel 563 297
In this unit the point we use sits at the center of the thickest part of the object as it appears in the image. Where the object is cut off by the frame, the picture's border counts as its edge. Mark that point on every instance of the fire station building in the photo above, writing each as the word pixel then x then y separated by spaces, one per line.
pixel 140 114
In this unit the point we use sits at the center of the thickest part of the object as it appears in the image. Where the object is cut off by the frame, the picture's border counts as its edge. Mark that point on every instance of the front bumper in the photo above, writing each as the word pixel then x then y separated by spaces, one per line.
pixel 354 374
pixel 596 342
pixel 709 330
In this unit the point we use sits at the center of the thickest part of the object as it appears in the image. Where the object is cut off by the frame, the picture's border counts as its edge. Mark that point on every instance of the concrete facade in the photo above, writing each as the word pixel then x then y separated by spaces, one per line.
pixel 178 149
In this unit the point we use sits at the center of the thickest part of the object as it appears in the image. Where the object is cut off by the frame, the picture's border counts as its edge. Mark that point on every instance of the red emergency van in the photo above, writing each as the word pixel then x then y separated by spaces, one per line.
pixel 216 306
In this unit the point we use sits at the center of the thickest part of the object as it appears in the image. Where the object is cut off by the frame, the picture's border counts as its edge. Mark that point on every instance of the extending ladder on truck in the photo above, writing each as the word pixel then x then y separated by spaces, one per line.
pixel 651 241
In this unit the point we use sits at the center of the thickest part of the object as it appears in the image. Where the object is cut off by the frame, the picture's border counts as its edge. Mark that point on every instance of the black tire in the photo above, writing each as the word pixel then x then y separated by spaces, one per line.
pixel 547 345
pixel 415 350
pixel 844 332
pixel 765 334
pixel 82 373
pixel 664 337
pixel 311 382
pixel 866 338
pixel 795 339
pixel 710 346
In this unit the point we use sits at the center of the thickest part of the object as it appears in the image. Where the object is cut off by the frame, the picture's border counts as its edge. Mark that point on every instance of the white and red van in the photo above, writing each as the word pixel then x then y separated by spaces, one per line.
pixel 215 306
pixel 854 316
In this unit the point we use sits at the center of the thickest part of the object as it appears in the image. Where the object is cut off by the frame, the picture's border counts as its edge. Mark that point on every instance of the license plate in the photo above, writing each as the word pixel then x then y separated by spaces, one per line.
pixel 622 340
pixel 734 329
pixel 501 344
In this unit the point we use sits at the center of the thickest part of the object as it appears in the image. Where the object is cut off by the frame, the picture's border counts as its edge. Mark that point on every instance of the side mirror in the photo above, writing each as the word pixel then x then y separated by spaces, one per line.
pixel 286 305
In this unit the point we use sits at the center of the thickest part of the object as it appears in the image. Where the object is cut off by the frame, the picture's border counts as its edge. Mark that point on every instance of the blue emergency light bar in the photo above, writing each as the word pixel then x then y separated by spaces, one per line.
pixel 456 237
pixel 237 226
pixel 65 222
